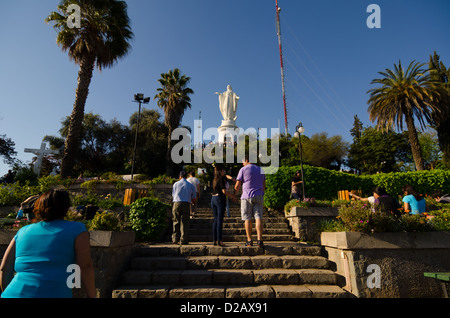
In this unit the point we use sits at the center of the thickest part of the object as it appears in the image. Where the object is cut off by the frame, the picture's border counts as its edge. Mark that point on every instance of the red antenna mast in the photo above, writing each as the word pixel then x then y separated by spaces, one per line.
pixel 282 67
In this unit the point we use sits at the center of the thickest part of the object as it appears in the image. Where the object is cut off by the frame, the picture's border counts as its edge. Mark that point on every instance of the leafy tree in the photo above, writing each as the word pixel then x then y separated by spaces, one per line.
pixel 378 151
pixel 323 151
pixel 404 95
pixel 173 98
pixel 102 38
pixel 357 129
pixel 441 120
pixel 7 149
pixel 102 148
pixel 151 144
pixel 432 155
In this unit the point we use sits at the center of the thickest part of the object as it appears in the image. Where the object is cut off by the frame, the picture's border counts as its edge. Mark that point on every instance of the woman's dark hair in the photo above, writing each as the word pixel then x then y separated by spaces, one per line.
pixel 437 194
pixel 380 191
pixel 217 176
pixel 52 205
pixel 410 190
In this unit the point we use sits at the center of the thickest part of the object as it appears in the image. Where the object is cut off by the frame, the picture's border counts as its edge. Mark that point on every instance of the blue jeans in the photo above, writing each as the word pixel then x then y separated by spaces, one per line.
pixel 218 208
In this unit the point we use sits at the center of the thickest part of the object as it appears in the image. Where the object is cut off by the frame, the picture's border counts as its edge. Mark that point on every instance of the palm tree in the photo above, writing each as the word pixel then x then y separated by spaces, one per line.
pixel 404 95
pixel 441 121
pixel 173 98
pixel 102 38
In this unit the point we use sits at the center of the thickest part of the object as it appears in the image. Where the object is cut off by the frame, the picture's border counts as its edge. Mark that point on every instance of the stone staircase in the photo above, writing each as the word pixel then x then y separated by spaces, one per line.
pixel 284 268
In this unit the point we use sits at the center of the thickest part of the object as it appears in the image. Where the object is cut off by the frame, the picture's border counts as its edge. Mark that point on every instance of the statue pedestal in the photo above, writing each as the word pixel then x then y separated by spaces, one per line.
pixel 228 131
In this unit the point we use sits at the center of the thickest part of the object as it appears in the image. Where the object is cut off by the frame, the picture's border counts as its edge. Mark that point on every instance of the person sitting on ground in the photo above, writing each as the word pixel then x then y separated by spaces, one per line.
pixel 440 196
pixel 413 202
pixel 370 199
pixel 386 202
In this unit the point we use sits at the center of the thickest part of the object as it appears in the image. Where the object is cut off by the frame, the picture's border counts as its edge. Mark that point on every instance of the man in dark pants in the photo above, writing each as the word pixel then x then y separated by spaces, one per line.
pixel 183 194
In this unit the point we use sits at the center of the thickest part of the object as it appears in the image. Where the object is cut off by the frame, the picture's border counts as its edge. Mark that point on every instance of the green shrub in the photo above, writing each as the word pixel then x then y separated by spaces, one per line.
pixel 16 193
pixel 148 218
pixel 320 183
pixel 425 182
pixel 440 219
pixel 360 217
pixel 323 184
pixel 105 221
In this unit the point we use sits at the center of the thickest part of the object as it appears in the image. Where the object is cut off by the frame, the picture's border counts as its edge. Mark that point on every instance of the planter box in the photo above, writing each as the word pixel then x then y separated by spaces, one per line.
pixel 111 238
pixel 303 221
pixel 389 265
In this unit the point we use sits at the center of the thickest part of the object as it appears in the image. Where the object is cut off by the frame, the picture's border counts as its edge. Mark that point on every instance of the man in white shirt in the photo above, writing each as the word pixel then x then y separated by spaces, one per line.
pixel 183 194
pixel 196 183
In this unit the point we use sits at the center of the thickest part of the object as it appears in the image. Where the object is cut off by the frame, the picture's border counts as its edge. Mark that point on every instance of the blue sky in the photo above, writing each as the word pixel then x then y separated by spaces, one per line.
pixel 331 56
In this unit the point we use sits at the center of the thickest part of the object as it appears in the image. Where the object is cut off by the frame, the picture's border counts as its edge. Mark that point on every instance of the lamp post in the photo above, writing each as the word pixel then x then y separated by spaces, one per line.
pixel 299 130
pixel 138 98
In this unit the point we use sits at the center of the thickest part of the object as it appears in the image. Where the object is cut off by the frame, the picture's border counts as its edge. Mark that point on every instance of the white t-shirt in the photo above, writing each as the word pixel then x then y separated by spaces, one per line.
pixel 194 181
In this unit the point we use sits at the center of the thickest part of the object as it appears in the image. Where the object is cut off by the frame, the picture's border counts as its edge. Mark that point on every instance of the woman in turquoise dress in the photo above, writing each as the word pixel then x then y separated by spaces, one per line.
pixel 43 254
pixel 413 201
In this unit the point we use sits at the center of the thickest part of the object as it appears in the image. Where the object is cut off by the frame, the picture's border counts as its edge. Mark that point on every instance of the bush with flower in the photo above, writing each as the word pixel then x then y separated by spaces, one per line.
pixel 362 217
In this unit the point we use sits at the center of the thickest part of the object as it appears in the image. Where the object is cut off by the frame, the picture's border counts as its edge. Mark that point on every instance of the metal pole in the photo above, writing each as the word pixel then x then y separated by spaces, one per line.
pixel 135 141
pixel 282 67
pixel 301 165
pixel 297 129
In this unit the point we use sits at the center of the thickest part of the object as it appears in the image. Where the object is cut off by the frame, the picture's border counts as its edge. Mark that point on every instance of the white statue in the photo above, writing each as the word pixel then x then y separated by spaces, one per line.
pixel 228 104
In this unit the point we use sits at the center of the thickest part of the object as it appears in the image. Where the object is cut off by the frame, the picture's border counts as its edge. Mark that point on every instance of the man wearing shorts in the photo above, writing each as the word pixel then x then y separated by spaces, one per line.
pixel 253 182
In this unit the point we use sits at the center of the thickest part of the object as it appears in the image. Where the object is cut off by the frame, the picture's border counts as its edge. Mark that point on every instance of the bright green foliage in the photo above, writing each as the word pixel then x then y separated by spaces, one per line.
pixel 105 221
pixel 148 218
pixel 323 184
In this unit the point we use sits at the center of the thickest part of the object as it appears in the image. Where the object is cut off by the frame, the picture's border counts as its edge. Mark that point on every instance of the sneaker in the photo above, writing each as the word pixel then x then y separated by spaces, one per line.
pixel 249 243
pixel 261 244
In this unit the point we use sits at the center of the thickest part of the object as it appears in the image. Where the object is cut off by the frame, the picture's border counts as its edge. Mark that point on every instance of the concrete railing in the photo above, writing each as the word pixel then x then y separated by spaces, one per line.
pixel 389 265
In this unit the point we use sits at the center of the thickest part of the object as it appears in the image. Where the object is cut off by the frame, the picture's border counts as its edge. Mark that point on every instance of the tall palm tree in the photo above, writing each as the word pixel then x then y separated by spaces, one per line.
pixel 173 98
pixel 102 38
pixel 403 95
pixel 441 121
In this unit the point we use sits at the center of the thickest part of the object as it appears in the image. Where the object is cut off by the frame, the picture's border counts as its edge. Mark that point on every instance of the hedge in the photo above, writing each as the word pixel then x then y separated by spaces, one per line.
pixel 323 184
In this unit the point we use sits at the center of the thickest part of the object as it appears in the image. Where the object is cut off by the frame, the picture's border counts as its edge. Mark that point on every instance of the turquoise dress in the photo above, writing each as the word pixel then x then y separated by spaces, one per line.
pixel 44 250
pixel 417 207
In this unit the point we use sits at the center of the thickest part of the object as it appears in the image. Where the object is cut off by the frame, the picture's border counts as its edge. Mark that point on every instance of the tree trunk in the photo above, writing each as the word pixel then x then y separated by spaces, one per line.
pixel 443 131
pixel 414 140
pixel 76 119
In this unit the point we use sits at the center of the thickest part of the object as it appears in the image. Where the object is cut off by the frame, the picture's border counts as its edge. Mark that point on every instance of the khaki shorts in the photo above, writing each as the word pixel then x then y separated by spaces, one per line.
pixel 252 207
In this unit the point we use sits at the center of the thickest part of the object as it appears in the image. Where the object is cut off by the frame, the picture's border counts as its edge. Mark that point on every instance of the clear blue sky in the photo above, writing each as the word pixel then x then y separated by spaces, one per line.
pixel 331 56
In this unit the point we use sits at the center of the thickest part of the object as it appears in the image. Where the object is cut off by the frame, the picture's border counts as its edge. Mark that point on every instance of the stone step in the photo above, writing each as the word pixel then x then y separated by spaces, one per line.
pixel 236 219
pixel 230 249
pixel 229 277
pixel 229 262
pixel 242 238
pixel 263 291
pixel 206 230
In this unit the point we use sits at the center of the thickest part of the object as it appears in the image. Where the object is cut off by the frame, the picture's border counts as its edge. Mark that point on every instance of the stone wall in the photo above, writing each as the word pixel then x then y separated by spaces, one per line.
pixel 303 221
pixel 395 261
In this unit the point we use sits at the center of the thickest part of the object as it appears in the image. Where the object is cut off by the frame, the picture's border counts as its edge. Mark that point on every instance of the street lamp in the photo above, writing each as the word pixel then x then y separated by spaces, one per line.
pixel 299 130
pixel 138 98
